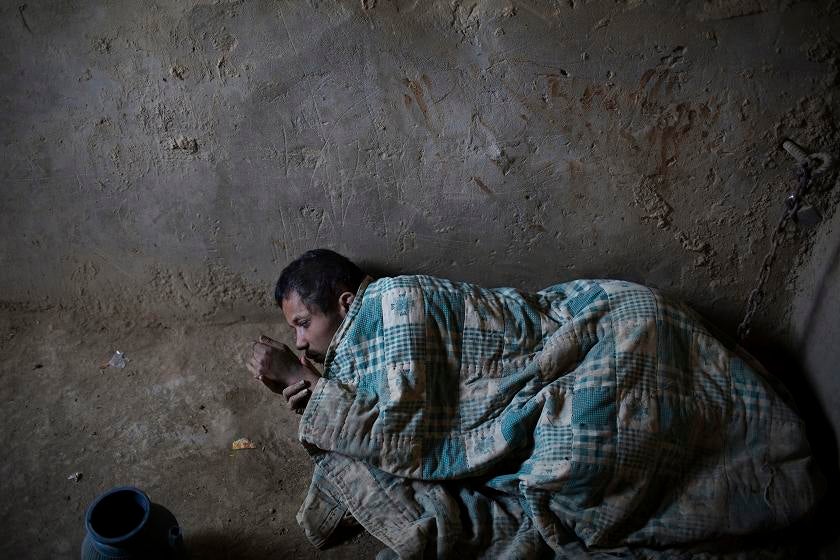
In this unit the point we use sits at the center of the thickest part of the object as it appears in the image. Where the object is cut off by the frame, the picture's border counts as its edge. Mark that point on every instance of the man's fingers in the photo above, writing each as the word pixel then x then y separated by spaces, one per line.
pixel 257 366
pixel 270 342
pixel 292 389
pixel 275 349
pixel 299 400
pixel 261 355
pixel 272 385
pixel 252 366
pixel 261 349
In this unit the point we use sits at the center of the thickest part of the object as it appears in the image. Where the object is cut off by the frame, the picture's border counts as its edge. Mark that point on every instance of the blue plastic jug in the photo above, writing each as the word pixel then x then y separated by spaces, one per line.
pixel 124 523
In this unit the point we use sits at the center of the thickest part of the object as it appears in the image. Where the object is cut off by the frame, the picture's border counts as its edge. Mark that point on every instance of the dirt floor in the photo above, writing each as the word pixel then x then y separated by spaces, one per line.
pixel 164 423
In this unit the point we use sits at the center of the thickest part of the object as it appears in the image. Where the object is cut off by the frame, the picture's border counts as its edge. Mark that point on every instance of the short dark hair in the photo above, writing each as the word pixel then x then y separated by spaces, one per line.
pixel 318 276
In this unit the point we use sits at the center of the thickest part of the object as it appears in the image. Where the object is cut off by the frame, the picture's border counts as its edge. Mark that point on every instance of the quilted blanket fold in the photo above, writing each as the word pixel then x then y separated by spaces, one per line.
pixel 589 415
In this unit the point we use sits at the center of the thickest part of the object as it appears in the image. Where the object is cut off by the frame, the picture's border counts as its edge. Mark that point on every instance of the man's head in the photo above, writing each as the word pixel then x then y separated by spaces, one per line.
pixel 315 292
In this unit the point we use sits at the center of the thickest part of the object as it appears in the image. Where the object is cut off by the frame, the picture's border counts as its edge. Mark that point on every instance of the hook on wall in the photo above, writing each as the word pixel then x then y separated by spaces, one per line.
pixel 819 162
pixel 796 210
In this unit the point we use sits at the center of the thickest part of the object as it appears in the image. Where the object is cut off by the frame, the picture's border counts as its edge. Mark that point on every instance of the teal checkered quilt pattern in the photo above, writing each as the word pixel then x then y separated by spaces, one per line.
pixel 592 414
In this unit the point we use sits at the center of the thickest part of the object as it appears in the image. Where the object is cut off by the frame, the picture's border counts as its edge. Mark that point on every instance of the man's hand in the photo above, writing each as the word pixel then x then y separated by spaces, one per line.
pixel 279 369
pixel 297 395
pixel 274 364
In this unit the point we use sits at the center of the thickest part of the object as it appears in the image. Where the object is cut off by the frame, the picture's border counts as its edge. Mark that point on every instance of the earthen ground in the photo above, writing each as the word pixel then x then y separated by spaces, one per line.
pixel 164 423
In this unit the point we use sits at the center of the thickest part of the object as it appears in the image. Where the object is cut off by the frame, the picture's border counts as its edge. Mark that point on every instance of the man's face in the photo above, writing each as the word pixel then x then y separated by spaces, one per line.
pixel 313 328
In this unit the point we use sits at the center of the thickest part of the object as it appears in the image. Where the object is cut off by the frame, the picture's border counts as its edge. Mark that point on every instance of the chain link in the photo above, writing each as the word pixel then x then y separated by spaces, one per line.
pixel 793 202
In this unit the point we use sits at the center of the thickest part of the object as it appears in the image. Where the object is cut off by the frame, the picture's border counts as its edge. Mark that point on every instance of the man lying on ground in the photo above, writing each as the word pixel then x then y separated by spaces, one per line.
pixel 591 416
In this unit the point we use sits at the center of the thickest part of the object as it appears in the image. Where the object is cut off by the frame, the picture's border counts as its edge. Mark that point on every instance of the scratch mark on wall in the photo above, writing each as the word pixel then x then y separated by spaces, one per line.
pixel 109 261
pixel 21 8
pixel 482 186
pixel 286 233
pixel 285 152
pixel 379 199
pixel 286 28
pixel 417 90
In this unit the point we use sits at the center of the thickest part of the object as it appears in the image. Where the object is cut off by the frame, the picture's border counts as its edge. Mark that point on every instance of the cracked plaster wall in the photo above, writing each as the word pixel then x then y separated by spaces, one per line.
pixel 173 156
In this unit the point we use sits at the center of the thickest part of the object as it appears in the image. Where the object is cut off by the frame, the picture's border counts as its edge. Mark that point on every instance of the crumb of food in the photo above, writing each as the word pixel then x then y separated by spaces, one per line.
pixel 243 443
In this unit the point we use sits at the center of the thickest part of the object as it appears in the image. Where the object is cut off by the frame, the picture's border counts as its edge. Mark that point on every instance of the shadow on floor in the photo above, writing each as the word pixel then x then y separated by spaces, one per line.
pixel 220 546
pixel 818 534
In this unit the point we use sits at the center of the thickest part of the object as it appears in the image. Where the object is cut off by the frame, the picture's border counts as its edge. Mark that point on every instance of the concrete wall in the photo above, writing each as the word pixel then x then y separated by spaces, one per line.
pixel 172 156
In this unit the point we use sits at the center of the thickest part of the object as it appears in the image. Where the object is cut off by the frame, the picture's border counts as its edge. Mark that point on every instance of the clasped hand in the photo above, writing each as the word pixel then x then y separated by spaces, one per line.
pixel 279 369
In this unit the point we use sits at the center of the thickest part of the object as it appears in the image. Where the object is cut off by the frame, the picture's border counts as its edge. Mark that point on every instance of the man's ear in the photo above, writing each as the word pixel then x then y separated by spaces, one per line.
pixel 344 302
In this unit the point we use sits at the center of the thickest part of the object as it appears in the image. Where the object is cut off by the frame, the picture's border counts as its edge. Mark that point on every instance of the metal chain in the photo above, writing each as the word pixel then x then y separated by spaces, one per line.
pixel 803 173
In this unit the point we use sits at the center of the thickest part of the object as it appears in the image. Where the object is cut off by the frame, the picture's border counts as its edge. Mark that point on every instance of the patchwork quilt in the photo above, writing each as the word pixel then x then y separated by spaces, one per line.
pixel 592 416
